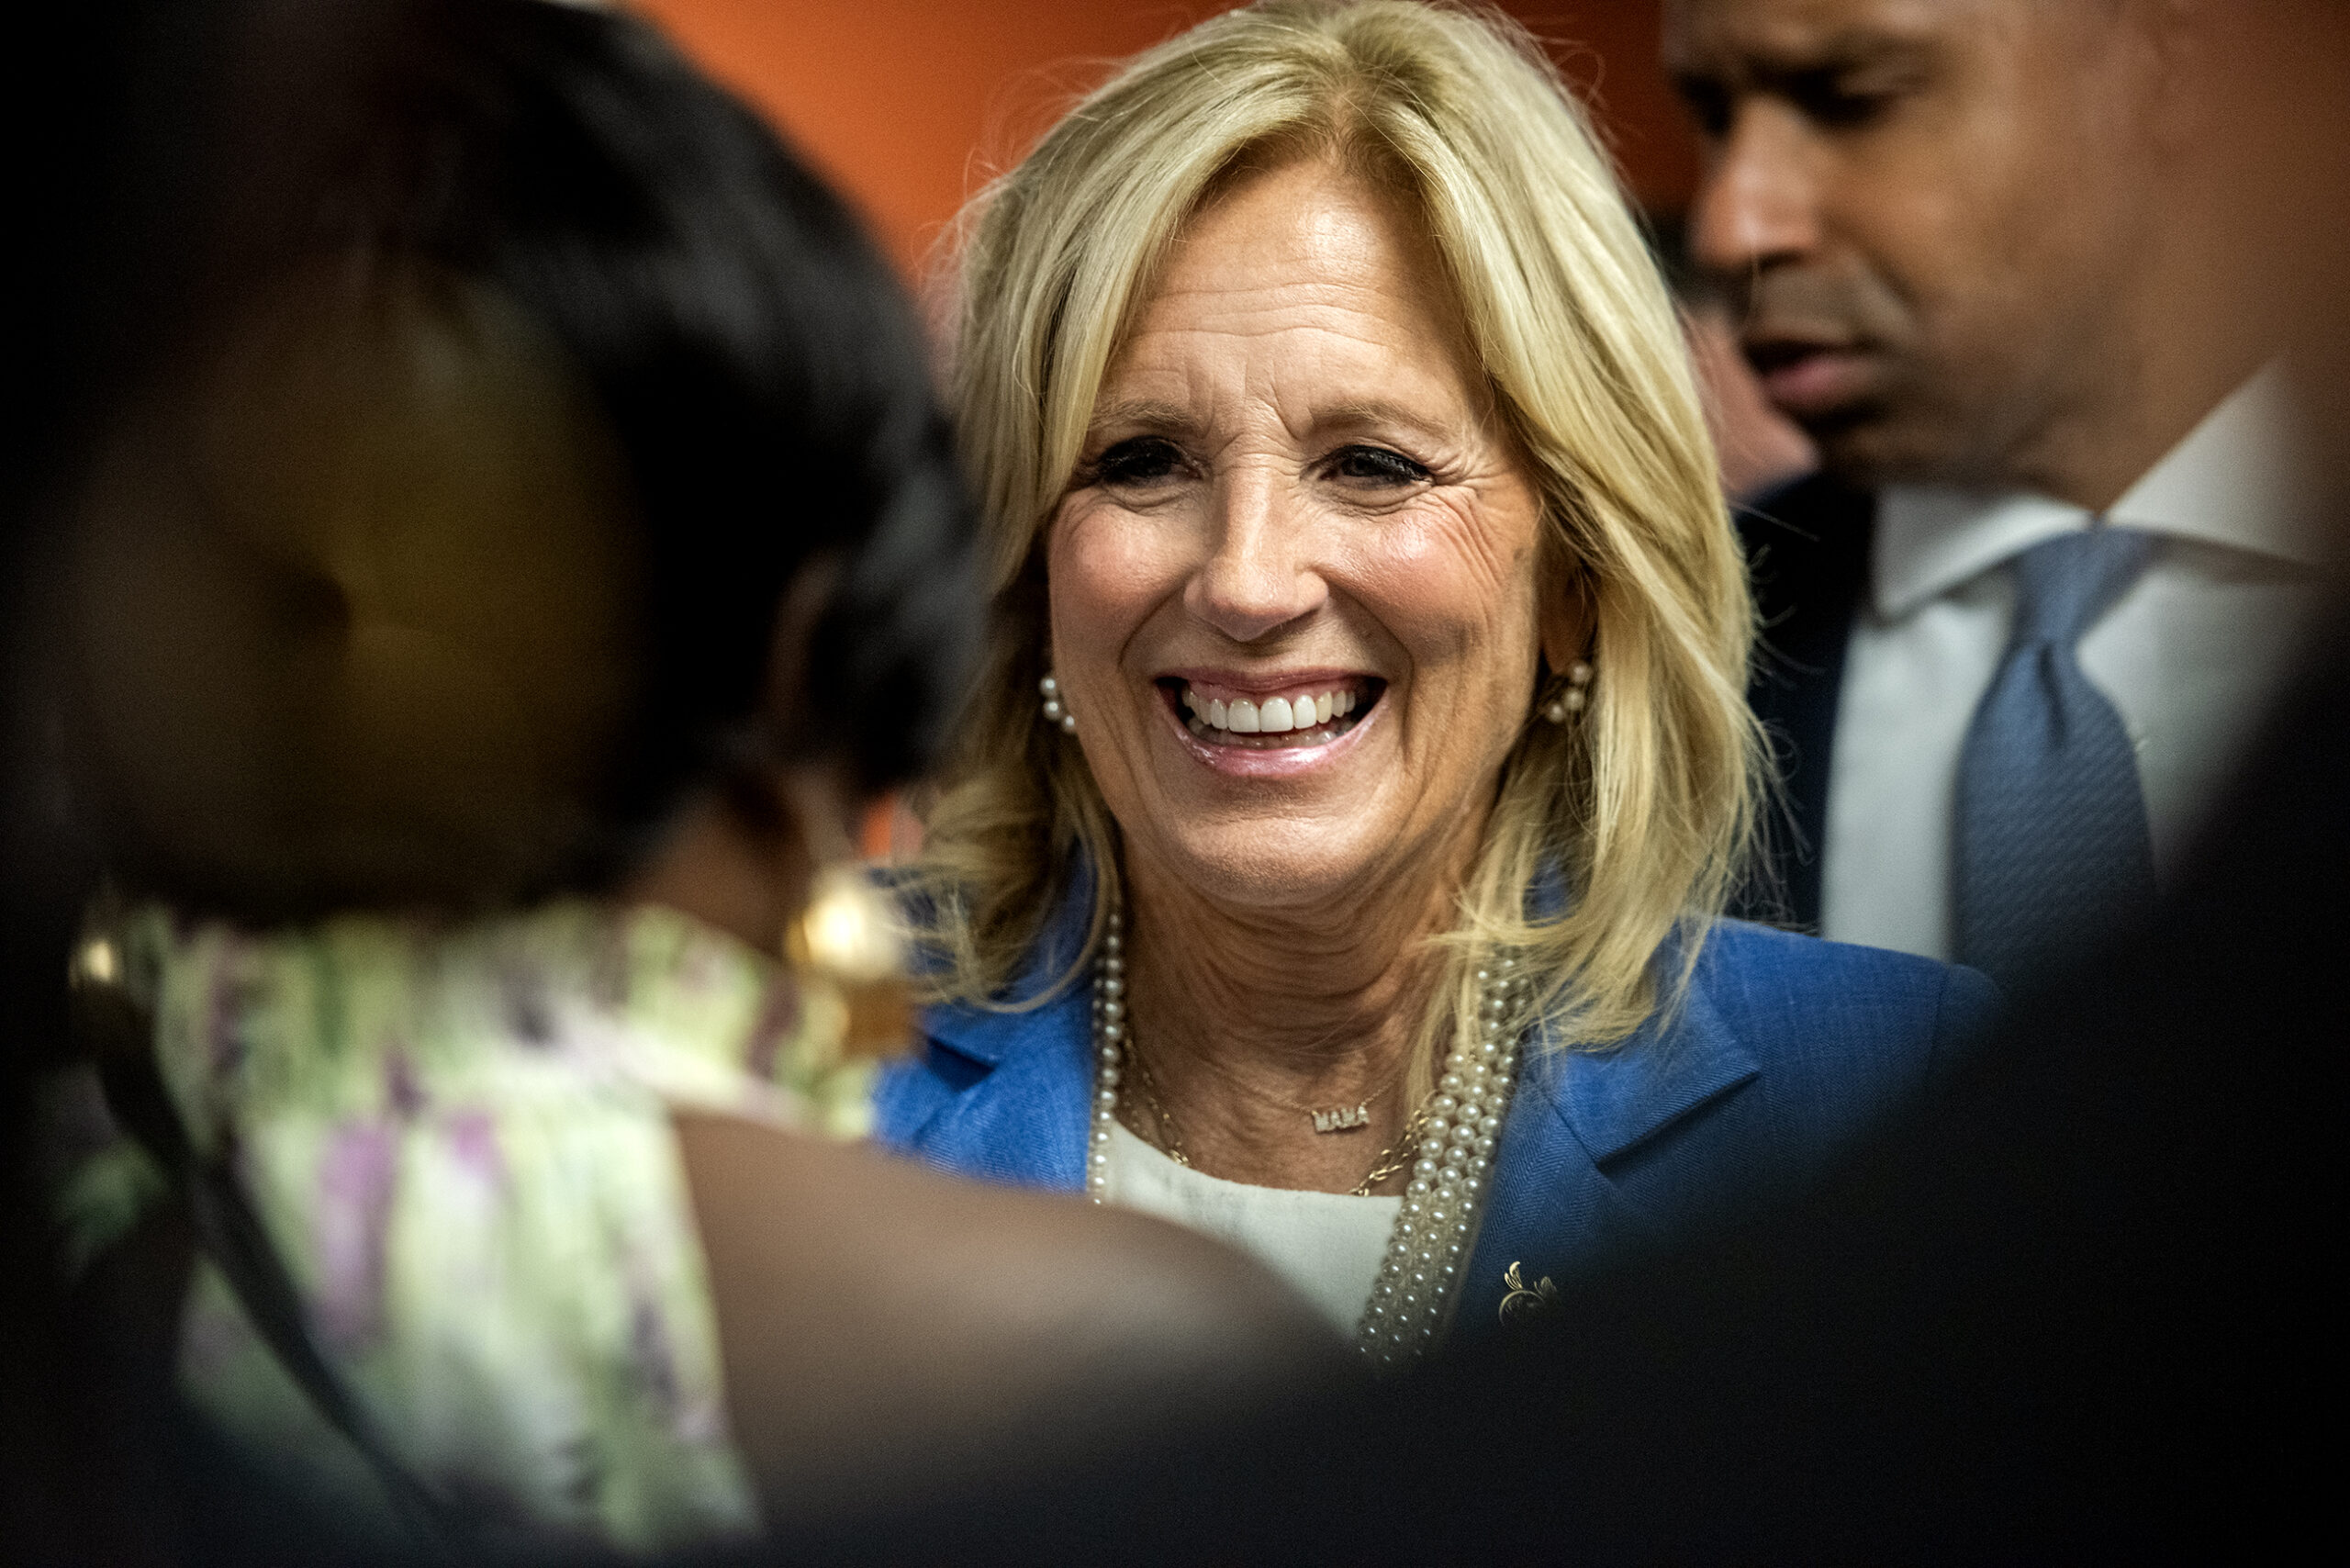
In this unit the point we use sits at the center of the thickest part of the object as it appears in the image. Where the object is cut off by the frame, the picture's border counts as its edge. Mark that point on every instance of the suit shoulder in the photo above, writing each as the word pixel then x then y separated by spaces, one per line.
pixel 1817 505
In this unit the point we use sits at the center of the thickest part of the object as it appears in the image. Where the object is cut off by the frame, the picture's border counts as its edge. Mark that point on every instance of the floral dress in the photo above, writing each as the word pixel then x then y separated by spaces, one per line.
pixel 459 1141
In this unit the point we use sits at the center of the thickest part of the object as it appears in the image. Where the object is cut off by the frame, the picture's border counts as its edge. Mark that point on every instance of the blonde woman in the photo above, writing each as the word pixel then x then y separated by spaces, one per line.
pixel 1334 856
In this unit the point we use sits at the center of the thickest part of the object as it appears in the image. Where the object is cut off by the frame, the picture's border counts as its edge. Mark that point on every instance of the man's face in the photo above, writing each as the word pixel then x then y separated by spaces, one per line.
pixel 1926 212
pixel 2279 83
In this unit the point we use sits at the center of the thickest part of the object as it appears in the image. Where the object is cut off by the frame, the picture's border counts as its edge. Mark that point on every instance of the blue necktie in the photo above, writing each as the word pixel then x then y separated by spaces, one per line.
pixel 2051 846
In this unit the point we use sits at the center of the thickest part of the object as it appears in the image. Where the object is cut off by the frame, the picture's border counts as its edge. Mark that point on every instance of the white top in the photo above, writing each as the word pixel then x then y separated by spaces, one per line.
pixel 1329 1246
pixel 2191 655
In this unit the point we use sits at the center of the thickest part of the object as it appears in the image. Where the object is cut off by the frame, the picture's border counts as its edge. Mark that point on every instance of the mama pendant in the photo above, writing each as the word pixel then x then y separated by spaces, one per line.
pixel 1343 1119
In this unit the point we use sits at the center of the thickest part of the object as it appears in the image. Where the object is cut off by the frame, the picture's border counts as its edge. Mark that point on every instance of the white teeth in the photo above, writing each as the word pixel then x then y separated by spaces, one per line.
pixel 1274 716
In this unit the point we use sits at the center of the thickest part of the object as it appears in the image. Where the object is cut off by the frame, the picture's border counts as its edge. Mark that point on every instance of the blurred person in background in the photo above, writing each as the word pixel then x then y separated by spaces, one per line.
pixel 2065 547
pixel 1332 859
pixel 527 540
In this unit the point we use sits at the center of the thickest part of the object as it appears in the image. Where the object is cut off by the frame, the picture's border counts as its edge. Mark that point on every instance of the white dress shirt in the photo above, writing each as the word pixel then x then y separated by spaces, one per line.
pixel 2191 655
pixel 1329 1246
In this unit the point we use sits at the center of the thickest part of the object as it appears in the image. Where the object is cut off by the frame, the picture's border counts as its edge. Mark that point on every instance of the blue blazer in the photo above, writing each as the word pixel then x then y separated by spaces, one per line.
pixel 1786 1050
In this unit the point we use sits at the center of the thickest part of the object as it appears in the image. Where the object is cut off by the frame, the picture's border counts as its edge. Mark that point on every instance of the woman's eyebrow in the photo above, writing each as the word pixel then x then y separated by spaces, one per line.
pixel 1140 415
pixel 1374 414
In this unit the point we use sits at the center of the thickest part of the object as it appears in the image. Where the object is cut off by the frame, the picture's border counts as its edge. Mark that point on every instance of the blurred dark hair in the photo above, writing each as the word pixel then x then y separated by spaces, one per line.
pixel 754 361
pixel 758 376
pixel 754 353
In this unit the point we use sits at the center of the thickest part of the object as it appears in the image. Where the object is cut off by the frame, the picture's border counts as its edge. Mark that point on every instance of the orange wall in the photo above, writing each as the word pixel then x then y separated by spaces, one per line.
pixel 909 105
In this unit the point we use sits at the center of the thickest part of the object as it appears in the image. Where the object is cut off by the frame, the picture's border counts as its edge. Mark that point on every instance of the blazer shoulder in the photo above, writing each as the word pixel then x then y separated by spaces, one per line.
pixel 1804 960
pixel 1785 1052
pixel 1790 994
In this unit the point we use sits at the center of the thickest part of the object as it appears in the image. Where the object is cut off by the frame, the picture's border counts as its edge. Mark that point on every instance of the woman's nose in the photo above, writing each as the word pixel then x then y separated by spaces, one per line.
pixel 1756 204
pixel 1259 577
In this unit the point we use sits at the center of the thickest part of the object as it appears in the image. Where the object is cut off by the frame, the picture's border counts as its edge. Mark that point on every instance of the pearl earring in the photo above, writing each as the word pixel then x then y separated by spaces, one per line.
pixel 1056 711
pixel 1572 699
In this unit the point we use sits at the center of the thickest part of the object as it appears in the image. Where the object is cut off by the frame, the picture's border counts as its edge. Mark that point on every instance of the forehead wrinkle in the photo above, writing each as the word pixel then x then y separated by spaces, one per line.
pixel 1321 328
pixel 1369 368
pixel 1360 344
pixel 1260 309
pixel 1339 241
pixel 1395 383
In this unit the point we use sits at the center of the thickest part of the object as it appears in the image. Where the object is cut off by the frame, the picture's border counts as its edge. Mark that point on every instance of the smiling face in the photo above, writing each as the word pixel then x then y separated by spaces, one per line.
pixel 1294 580
pixel 1929 211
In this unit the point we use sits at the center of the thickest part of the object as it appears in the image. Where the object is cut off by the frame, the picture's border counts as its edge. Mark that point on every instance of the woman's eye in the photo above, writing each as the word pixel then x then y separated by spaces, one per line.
pixel 1145 460
pixel 1376 465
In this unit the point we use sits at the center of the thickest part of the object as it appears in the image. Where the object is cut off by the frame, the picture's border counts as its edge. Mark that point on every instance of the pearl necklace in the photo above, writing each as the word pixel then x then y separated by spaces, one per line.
pixel 1460 1128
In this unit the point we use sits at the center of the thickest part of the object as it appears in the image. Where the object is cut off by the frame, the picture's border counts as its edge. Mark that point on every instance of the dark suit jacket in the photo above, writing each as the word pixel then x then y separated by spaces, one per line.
pixel 1808 550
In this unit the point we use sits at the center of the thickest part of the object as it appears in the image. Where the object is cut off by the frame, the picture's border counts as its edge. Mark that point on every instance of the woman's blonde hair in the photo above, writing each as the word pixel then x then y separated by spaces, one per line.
pixel 1641 811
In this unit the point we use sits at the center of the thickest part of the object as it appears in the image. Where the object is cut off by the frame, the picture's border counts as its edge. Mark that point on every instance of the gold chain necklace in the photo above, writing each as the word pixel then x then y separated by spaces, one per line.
pixel 1391 1159
pixel 1336 1119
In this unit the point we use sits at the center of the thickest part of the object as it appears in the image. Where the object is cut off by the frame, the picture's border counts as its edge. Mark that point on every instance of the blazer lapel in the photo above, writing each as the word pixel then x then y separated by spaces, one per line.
pixel 1554 1210
pixel 1027 1075
pixel 1024 1117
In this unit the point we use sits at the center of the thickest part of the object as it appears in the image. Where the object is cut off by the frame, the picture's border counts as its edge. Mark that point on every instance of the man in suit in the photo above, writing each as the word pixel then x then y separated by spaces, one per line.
pixel 2022 624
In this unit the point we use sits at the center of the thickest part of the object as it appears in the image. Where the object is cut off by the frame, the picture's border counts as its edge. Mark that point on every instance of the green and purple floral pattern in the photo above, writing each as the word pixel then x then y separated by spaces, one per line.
pixel 459 1140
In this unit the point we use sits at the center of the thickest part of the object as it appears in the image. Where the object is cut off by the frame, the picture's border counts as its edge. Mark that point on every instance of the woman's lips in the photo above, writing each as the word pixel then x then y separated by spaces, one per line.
pixel 1270 730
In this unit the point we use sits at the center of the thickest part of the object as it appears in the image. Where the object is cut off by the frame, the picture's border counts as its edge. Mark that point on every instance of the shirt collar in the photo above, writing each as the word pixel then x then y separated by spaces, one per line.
pixel 2237 480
